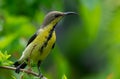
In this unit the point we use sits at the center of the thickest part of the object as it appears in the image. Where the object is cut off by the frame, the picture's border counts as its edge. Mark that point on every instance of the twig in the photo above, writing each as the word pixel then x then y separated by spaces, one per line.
pixel 22 70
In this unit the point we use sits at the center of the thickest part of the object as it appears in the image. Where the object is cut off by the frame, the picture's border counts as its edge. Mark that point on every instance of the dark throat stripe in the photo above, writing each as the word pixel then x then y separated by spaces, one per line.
pixel 48 38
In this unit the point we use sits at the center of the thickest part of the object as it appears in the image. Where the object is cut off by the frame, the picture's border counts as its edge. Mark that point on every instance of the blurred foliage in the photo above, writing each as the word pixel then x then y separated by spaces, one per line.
pixel 88 45
pixel 64 77
pixel 4 59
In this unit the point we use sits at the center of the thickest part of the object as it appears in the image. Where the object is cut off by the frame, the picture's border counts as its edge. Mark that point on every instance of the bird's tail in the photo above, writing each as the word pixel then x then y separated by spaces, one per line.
pixel 19 66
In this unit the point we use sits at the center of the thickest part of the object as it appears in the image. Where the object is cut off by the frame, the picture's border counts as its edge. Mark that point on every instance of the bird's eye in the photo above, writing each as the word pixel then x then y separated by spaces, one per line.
pixel 57 16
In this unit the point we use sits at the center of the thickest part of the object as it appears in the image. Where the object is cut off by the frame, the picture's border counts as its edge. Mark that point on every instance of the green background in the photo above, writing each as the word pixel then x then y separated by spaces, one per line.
pixel 88 44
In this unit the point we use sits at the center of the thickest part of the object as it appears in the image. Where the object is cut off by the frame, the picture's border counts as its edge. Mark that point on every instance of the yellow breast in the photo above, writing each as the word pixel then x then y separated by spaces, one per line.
pixel 42 46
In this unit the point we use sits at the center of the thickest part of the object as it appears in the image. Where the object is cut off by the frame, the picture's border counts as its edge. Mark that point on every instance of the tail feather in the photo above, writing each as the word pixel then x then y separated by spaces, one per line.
pixel 19 66
pixel 16 64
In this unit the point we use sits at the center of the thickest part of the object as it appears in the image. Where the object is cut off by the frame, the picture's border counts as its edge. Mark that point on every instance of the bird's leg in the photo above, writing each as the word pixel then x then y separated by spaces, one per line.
pixel 18 68
pixel 29 64
pixel 38 65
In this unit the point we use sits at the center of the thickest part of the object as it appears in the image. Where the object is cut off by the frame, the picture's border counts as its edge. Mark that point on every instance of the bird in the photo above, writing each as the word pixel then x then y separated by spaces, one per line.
pixel 42 42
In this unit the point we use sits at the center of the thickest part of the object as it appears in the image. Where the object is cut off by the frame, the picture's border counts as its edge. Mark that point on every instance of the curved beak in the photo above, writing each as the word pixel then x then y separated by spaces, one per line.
pixel 69 13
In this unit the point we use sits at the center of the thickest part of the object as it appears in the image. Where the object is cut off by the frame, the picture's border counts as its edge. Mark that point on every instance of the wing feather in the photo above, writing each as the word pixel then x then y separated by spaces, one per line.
pixel 31 39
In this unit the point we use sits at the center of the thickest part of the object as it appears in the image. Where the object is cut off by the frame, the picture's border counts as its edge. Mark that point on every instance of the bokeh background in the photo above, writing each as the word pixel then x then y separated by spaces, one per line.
pixel 88 44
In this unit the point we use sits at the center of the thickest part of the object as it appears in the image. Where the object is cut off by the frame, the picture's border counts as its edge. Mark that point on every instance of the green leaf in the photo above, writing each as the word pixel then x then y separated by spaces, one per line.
pixel 13 77
pixel 4 59
pixel 64 77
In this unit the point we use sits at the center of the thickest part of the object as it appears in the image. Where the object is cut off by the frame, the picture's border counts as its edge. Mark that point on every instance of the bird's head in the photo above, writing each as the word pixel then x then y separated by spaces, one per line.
pixel 54 17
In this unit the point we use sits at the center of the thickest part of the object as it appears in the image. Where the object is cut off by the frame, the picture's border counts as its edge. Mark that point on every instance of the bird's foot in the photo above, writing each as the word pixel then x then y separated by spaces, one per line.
pixel 30 69
pixel 40 76
pixel 17 70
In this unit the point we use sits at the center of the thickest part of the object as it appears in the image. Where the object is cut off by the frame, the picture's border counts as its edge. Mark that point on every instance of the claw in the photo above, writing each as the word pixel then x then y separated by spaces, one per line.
pixel 40 76
pixel 17 70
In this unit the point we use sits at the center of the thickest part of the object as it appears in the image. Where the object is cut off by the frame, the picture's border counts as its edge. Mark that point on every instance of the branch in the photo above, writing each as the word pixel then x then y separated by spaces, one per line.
pixel 22 70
